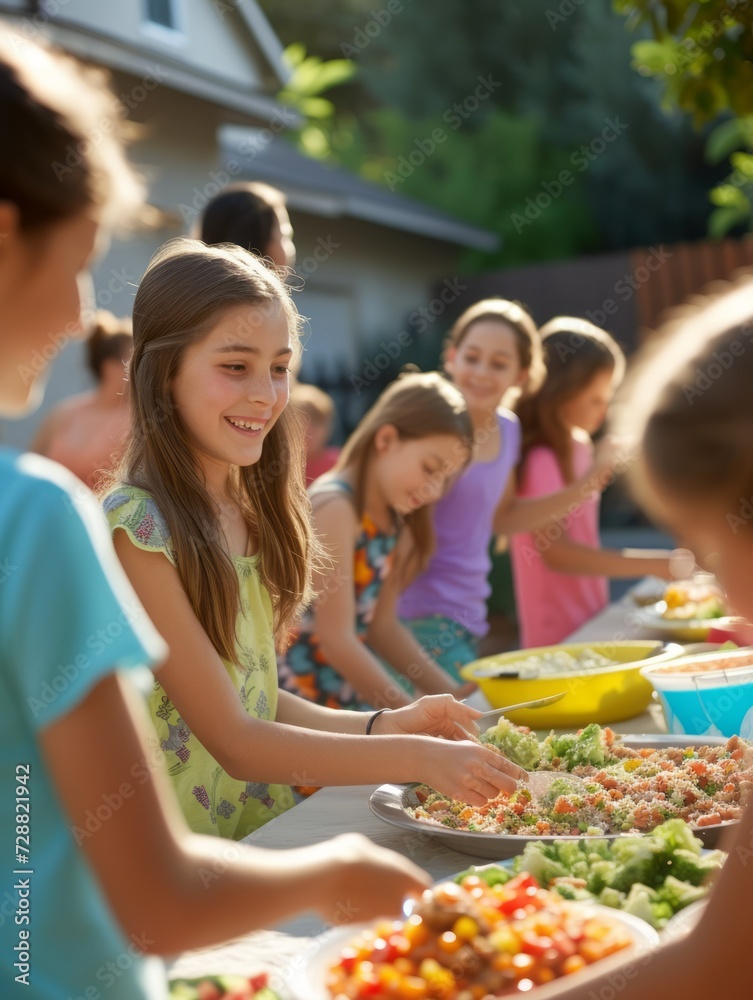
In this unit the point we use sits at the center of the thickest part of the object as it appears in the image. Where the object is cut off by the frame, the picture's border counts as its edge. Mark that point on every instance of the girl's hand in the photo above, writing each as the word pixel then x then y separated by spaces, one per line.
pixel 433 715
pixel 613 456
pixel 469 771
pixel 362 881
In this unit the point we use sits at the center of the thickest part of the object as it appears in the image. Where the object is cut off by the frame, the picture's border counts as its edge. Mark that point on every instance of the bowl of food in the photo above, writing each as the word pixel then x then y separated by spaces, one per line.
pixel 630 785
pixel 708 693
pixel 460 941
pixel 602 680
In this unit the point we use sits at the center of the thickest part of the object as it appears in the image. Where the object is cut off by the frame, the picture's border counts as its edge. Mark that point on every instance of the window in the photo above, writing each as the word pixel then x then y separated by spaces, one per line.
pixel 163 21
pixel 161 12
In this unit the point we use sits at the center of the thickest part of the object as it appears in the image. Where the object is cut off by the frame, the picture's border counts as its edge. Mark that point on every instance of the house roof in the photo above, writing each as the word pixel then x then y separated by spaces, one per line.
pixel 314 187
pixel 138 57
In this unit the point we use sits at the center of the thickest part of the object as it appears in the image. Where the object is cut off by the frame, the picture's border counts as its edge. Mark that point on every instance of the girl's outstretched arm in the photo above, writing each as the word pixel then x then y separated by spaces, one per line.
pixel 397 645
pixel 251 749
pixel 519 514
pixel 566 556
pixel 148 879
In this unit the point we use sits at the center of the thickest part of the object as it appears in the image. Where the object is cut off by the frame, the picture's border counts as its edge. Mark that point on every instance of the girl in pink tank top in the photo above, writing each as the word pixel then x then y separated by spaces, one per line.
pixel 560 571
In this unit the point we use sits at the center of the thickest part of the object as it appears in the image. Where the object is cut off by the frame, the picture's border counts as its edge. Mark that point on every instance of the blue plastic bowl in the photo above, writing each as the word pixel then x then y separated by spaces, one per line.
pixel 706 701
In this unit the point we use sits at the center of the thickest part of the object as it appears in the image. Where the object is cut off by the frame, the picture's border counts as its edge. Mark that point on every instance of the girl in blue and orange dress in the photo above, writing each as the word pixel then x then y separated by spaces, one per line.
pixel 398 460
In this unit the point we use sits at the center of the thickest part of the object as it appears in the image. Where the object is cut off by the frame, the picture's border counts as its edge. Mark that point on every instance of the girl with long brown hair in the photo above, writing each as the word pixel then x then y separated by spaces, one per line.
pixel 211 521
pixel 110 868
pixel 561 573
pixel 689 402
pixel 493 353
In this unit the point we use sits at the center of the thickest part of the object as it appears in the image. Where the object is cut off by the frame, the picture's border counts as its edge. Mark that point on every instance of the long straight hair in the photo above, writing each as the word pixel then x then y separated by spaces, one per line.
pixel 574 352
pixel 417 405
pixel 185 290
pixel 689 399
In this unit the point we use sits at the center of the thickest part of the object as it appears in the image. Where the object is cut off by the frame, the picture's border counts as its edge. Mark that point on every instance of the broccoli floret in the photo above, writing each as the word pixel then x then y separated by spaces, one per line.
pixel 493 875
pixel 519 747
pixel 640 902
pixel 625 847
pixel 611 897
pixel 568 853
pixel 662 912
pixel 694 869
pixel 569 891
pixel 601 874
pixel 599 848
pixel 587 747
pixel 559 746
pixel 678 895
pixel 536 861
pixel 675 834
pixel 639 865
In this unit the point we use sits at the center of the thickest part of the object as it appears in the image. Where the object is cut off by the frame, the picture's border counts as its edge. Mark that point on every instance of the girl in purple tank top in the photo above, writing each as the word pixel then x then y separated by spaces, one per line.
pixel 494 350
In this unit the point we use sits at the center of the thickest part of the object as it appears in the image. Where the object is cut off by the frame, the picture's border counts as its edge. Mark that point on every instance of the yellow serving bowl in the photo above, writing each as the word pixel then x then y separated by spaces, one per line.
pixel 606 694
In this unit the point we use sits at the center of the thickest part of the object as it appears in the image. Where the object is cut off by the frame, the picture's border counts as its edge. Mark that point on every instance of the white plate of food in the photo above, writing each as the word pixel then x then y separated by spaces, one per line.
pixel 450 942
pixel 687 611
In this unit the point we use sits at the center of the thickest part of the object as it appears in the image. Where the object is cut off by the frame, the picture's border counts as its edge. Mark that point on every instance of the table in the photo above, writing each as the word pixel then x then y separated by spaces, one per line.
pixel 341 810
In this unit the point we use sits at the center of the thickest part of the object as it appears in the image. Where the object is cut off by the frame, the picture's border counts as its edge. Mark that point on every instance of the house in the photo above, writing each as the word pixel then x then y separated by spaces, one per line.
pixel 201 78
pixel 379 270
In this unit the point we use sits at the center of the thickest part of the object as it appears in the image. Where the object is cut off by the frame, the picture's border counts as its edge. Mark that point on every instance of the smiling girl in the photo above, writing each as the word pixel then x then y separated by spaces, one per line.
pixel 211 522
pixel 115 875
pixel 493 352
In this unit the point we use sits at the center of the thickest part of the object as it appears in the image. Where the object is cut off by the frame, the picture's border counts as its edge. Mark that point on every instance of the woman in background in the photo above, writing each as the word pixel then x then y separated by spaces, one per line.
pixel 86 433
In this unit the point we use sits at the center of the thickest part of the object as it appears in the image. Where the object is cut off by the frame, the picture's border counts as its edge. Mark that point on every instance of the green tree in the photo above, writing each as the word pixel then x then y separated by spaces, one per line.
pixel 701 51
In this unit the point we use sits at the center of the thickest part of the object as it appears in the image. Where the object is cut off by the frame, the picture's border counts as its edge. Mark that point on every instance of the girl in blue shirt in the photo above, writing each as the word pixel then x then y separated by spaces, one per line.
pixel 83 890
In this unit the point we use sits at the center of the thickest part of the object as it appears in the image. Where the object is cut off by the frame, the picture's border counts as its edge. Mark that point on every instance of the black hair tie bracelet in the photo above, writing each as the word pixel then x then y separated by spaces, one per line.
pixel 373 719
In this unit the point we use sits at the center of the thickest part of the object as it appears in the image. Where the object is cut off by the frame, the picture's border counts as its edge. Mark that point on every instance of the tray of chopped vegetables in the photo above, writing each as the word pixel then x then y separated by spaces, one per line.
pixel 652 877
pixel 630 785
pixel 476 941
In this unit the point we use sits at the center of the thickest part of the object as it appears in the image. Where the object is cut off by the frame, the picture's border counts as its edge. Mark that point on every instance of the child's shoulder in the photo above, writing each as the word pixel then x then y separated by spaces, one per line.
pixel 135 511
pixel 505 416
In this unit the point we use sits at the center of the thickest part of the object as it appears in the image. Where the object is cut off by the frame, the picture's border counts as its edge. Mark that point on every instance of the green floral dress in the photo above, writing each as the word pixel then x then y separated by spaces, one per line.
pixel 211 800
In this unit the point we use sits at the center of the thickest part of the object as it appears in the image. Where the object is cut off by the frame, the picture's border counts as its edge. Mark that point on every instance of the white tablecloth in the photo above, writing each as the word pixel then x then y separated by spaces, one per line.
pixel 341 810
